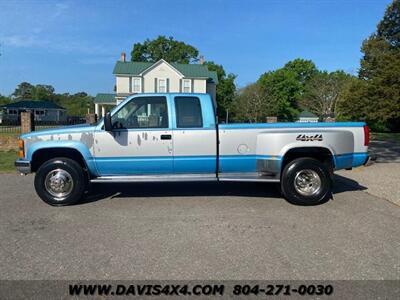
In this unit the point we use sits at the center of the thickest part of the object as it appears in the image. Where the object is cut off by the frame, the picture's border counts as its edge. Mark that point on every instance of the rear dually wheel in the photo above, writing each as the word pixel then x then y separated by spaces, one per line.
pixel 306 181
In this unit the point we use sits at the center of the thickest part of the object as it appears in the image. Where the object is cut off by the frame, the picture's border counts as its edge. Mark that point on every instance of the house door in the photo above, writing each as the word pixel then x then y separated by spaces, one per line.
pixel 141 140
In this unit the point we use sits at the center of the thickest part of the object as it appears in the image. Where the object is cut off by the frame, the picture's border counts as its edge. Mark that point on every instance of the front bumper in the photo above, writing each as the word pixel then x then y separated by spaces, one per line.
pixel 23 166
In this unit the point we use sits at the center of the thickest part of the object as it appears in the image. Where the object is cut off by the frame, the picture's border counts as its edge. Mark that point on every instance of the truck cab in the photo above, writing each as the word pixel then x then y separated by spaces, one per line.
pixel 176 137
pixel 158 135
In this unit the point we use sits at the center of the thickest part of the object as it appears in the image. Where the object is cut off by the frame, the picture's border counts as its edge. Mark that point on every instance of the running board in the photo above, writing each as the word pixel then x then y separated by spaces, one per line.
pixel 258 179
pixel 156 178
pixel 248 177
pixel 184 177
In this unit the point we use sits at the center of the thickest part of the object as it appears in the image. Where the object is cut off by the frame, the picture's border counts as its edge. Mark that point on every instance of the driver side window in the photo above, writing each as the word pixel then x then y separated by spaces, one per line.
pixel 142 112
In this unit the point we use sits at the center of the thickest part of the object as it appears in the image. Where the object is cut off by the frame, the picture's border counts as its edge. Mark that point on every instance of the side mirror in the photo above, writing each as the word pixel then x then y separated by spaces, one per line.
pixel 107 122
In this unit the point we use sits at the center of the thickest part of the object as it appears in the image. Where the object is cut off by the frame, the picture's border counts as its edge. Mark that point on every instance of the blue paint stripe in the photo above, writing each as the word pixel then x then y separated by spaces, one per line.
pixel 290 125
pixel 196 164
pixel 348 160
pixel 202 163
pixel 235 163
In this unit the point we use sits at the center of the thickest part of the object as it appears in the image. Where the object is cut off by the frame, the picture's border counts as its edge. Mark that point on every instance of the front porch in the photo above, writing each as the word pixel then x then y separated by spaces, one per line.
pixel 101 101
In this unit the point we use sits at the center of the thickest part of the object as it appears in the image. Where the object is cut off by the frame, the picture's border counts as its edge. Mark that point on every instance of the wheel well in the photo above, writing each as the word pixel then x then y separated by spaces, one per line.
pixel 320 153
pixel 42 155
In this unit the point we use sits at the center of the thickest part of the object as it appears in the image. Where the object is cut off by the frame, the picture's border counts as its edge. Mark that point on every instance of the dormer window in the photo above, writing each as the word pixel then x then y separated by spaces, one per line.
pixel 187 85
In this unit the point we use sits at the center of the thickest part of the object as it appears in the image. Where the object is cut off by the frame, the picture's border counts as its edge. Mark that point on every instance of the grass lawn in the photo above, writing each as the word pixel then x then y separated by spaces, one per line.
pixel 9 134
pixel 384 136
pixel 7 159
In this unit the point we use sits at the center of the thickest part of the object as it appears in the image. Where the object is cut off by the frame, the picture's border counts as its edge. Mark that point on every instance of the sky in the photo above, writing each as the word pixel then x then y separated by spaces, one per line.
pixel 73 45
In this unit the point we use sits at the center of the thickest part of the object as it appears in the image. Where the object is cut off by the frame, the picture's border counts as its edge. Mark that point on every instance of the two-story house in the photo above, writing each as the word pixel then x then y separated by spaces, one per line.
pixel 159 77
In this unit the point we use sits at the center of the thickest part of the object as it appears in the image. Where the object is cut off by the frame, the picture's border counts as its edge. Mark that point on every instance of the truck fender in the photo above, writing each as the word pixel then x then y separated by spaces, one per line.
pixel 70 144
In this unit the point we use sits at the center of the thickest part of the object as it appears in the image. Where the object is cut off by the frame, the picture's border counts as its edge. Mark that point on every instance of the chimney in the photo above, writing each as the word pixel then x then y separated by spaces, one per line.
pixel 123 57
pixel 201 59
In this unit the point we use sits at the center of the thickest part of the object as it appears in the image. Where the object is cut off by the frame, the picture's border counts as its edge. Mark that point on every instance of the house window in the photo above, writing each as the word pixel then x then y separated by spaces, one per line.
pixel 187 84
pixel 39 112
pixel 12 112
pixel 162 85
pixel 136 85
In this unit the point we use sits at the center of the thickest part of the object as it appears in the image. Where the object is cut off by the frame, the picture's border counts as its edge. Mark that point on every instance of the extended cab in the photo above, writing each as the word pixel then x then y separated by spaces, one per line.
pixel 176 137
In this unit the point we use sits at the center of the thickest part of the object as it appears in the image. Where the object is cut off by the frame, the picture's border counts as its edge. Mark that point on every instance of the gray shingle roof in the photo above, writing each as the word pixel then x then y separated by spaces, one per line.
pixel 188 70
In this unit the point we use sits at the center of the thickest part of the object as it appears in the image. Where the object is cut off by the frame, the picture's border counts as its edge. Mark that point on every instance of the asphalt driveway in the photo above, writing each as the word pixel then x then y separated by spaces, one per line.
pixel 197 231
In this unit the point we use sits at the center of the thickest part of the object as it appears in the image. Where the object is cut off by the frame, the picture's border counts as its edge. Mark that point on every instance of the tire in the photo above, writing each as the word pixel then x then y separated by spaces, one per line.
pixel 60 181
pixel 306 181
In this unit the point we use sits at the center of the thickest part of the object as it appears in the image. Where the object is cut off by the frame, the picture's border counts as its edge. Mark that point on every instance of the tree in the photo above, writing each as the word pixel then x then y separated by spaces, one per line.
pixel 165 48
pixel 4 100
pixel 323 91
pixel 285 87
pixel 76 104
pixel 250 104
pixel 42 92
pixel 23 91
pixel 379 93
pixel 284 91
pixel 389 27
pixel 304 69
pixel 351 105
pixel 175 51
pixel 226 88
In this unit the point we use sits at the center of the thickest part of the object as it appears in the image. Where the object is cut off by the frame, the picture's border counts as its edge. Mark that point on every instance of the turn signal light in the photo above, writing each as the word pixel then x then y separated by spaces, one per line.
pixel 21 152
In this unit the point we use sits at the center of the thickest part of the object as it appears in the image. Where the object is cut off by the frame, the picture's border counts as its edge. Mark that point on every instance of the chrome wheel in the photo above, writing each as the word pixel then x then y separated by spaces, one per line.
pixel 307 182
pixel 59 184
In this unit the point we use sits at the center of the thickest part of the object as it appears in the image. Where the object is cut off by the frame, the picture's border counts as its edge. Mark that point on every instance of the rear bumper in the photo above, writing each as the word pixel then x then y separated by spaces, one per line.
pixel 367 160
pixel 23 166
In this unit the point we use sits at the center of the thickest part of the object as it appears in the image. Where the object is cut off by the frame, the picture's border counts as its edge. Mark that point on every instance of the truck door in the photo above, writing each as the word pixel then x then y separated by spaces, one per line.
pixel 140 142
pixel 194 136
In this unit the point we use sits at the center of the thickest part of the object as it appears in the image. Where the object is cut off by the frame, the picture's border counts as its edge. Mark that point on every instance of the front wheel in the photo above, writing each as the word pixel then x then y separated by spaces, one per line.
pixel 60 181
pixel 306 181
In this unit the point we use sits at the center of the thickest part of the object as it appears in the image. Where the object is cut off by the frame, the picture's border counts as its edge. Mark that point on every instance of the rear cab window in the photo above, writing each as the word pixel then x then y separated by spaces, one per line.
pixel 188 112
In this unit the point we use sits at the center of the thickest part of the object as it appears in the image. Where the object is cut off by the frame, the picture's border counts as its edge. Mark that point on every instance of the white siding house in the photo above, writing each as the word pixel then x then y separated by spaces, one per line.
pixel 159 77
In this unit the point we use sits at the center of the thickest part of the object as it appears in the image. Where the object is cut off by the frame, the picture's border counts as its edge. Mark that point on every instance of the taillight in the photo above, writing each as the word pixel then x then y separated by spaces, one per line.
pixel 366 135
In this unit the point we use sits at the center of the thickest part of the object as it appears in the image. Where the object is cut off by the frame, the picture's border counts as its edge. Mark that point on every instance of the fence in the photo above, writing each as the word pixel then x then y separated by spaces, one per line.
pixel 14 127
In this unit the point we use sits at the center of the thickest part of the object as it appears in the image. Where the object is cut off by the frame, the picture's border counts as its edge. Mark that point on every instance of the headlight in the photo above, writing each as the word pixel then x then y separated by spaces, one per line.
pixel 21 149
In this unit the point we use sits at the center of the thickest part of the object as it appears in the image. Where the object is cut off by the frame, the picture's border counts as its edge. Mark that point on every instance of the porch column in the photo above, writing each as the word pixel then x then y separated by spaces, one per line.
pixel 103 111
pixel 96 109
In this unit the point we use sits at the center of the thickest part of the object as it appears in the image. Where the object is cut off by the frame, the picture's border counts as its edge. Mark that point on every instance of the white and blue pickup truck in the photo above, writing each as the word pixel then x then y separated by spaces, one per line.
pixel 176 137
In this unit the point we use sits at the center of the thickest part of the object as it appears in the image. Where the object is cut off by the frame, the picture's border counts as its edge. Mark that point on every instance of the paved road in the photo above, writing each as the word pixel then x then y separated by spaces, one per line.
pixel 384 151
pixel 380 179
pixel 197 231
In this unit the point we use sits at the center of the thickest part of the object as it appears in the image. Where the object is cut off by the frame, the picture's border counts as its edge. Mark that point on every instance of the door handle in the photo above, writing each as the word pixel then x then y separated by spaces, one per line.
pixel 166 137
